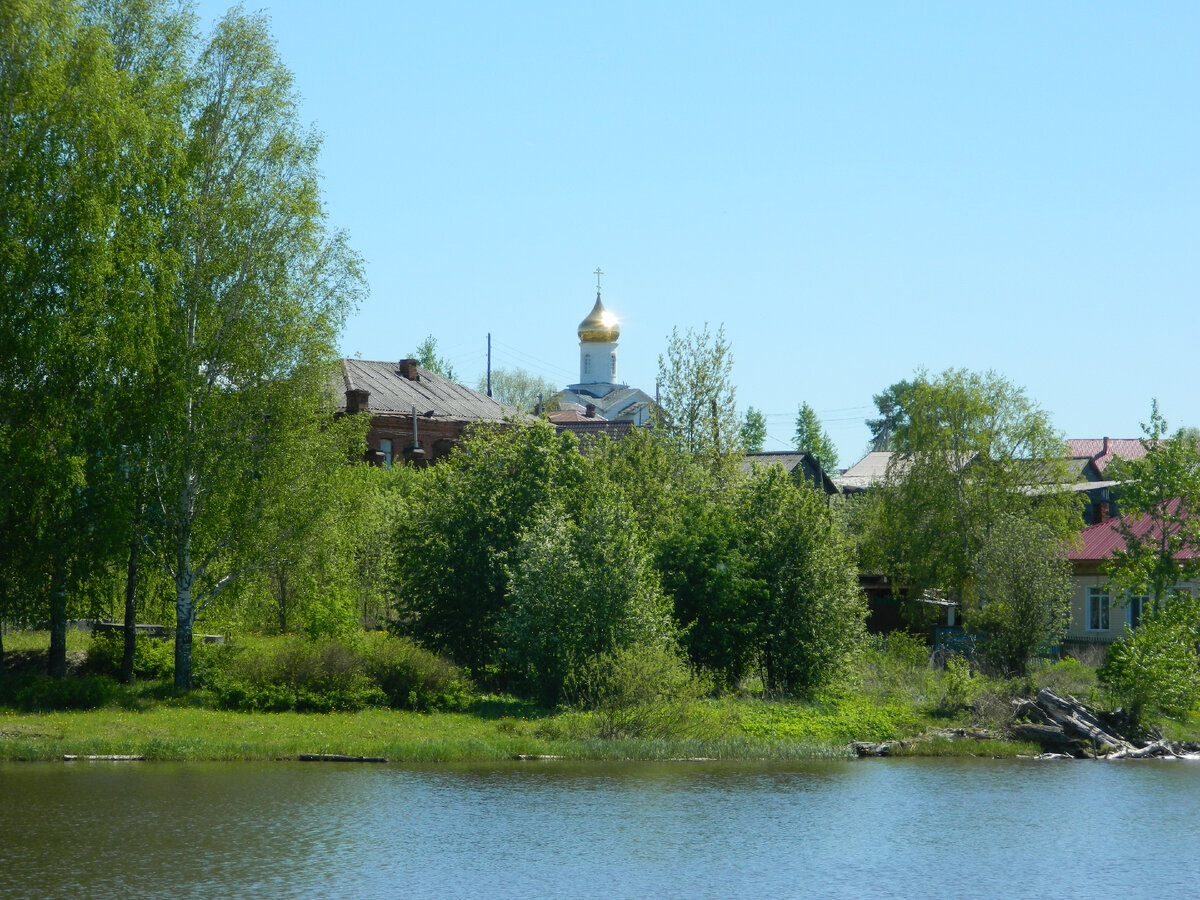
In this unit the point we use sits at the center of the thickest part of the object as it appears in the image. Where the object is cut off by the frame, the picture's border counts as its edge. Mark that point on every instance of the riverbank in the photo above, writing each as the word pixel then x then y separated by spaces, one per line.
pixel 895 699
pixel 167 733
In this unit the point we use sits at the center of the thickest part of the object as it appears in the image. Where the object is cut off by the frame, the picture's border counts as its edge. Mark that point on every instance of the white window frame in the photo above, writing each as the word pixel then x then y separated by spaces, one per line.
pixel 1099 609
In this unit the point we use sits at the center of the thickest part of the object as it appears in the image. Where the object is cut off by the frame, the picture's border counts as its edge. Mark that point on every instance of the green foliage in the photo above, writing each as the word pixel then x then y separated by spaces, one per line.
pixel 697 410
pixel 811 437
pixel 40 692
pixel 1163 488
pixel 754 430
pixel 457 530
pixel 427 357
pixel 1156 669
pixel 518 388
pixel 1025 592
pixel 706 565
pixel 832 720
pixel 152 658
pixel 957 684
pixel 808 612
pixel 892 415
pixel 640 690
pixel 578 589
pixel 320 676
pixel 966 457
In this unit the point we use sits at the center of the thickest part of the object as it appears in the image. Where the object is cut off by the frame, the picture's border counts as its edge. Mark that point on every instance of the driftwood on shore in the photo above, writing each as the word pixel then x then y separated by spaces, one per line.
pixel 1064 727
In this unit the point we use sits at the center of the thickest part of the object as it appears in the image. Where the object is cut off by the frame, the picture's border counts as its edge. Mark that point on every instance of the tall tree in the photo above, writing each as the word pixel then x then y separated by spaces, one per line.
pixel 813 438
pixel 975 453
pixel 427 357
pixel 892 415
pixel 81 177
pixel 248 338
pixel 697 410
pixel 518 388
pixel 458 530
pixel 1025 592
pixel 754 430
pixel 1159 500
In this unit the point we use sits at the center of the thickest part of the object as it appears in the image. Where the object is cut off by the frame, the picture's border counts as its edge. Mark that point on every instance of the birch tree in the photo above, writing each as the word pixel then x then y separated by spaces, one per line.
pixel 247 340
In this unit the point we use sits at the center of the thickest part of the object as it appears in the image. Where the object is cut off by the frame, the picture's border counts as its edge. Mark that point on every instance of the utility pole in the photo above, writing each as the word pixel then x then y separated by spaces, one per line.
pixel 489 366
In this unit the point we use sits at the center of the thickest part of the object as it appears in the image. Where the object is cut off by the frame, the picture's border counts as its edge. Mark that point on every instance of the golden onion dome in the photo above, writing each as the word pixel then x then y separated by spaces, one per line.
pixel 600 327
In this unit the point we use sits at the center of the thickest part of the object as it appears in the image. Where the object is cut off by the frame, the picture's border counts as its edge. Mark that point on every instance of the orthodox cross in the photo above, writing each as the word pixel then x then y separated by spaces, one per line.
pixel 598 274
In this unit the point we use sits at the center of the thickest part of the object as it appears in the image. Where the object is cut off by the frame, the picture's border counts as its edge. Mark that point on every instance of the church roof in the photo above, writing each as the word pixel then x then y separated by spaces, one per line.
pixel 600 326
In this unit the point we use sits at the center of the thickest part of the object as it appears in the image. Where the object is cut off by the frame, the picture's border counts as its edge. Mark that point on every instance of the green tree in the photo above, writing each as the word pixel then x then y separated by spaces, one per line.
pixel 1159 499
pixel 697 410
pixel 427 357
pixel 809 615
pixel 706 563
pixel 579 588
pixel 1024 590
pixel 461 524
pixel 892 415
pixel 814 439
pixel 80 220
pixel 975 453
pixel 754 430
pixel 247 340
pixel 1156 669
pixel 518 388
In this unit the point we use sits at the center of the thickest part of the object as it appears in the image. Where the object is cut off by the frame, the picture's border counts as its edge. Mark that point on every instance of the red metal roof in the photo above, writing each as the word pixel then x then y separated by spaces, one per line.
pixel 1099 541
pixel 1102 450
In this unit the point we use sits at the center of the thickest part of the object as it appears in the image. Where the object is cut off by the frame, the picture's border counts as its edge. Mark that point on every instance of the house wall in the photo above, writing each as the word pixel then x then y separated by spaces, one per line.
pixel 1087 575
pixel 437 436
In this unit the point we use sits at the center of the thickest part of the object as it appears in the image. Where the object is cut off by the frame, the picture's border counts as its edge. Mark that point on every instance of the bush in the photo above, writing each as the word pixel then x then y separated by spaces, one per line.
pixel 639 691
pixel 322 676
pixel 413 678
pixel 1156 669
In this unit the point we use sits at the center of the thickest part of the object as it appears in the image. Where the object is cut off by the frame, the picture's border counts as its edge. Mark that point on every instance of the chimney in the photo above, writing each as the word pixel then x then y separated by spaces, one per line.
pixel 1104 452
pixel 408 369
pixel 590 411
pixel 358 400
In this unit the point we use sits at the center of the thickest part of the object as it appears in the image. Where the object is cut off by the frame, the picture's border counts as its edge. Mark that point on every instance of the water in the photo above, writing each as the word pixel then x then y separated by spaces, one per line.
pixel 875 828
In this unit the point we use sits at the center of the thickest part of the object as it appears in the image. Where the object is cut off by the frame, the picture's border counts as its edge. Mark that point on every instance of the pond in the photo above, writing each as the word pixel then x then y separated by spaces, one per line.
pixel 878 828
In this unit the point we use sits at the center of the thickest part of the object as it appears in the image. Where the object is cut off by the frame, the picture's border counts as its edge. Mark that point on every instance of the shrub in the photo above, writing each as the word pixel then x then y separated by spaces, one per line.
pixel 413 678
pixel 638 691
pixel 321 676
pixel 1156 669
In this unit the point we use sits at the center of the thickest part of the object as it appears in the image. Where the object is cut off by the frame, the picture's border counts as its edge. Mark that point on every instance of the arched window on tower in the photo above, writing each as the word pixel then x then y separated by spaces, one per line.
pixel 587 363
pixel 613 369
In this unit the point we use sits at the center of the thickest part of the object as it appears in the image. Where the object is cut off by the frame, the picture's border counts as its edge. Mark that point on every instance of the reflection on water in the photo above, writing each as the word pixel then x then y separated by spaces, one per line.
pixel 878 828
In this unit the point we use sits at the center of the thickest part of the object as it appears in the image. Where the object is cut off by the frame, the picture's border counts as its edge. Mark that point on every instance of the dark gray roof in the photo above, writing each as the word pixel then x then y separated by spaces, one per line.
pixel 433 396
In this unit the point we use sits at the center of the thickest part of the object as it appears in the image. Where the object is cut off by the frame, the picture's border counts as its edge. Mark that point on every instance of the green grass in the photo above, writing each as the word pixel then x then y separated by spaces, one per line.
pixel 892 698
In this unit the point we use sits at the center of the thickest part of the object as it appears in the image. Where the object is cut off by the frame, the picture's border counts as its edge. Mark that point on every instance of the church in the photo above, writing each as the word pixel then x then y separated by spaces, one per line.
pixel 599 394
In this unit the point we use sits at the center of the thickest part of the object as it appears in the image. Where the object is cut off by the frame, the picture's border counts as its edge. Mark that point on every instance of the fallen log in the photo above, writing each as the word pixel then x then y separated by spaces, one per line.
pixel 336 757
pixel 1075 719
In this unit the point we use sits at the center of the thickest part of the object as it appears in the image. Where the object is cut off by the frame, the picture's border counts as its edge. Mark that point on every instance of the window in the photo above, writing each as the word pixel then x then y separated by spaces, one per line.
pixel 1097 609
pixel 385 447
pixel 614 365
pixel 587 363
pixel 1136 606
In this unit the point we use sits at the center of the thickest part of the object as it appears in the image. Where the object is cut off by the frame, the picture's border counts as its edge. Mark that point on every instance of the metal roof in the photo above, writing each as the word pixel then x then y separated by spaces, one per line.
pixel 1103 450
pixel 433 396
pixel 1100 541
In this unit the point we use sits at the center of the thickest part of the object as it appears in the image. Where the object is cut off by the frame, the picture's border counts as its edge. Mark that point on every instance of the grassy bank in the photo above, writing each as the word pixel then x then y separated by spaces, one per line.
pixel 893 697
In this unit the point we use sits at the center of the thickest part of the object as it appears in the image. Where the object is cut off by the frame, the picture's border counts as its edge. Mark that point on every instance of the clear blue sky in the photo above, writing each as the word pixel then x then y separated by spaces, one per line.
pixel 854 190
